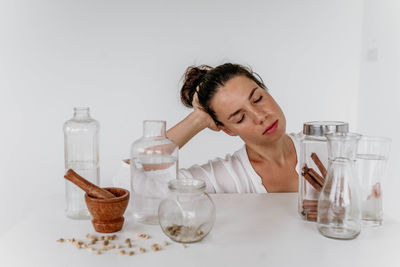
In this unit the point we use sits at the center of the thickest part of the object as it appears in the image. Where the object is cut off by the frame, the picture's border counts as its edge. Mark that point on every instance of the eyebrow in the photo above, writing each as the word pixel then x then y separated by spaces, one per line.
pixel 237 111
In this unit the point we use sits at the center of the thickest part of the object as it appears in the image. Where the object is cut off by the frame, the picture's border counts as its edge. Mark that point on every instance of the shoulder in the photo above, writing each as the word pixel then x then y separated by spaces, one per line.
pixel 296 138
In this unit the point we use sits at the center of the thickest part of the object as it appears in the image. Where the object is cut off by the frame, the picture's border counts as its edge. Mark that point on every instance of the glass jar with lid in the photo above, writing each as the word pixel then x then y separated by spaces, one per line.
pixel 313 164
pixel 188 213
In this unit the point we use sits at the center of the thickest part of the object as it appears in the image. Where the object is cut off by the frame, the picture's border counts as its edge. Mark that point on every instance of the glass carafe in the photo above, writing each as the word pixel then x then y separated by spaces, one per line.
pixel 339 206
pixel 154 162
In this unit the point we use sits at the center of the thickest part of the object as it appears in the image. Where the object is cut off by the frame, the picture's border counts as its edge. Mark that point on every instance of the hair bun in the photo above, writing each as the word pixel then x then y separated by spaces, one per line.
pixel 193 77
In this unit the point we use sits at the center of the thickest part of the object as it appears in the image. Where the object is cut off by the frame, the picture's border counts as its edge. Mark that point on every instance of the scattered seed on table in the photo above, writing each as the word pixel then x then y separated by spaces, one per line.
pixel 141 235
pixel 165 243
pixel 128 241
pixel 61 240
pixel 121 252
pixel 118 246
pixel 97 252
pixel 155 247
pixel 142 250
pixel 184 245
pixel 131 253
pixel 91 249
pixel 105 242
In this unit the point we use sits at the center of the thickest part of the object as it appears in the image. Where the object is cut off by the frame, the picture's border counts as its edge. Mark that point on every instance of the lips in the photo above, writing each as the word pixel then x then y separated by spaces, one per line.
pixel 272 128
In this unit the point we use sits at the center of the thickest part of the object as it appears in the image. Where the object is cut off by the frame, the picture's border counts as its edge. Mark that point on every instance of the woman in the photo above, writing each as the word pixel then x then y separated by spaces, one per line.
pixel 233 99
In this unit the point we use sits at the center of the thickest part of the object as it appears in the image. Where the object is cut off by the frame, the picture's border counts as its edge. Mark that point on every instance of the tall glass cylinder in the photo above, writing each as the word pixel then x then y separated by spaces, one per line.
pixel 154 162
pixel 81 147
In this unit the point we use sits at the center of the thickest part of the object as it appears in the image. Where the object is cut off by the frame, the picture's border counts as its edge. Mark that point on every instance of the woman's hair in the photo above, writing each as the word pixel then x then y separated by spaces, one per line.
pixel 207 80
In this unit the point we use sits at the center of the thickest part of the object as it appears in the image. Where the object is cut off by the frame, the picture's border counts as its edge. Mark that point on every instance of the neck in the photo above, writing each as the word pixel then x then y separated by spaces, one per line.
pixel 276 152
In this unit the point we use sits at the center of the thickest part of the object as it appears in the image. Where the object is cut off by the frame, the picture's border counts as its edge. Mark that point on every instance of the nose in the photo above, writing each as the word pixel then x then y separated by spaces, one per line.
pixel 258 115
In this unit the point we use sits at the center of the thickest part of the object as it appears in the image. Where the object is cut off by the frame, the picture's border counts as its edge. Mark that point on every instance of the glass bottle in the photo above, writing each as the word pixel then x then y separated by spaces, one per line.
pixel 154 162
pixel 313 163
pixel 339 205
pixel 188 213
pixel 81 147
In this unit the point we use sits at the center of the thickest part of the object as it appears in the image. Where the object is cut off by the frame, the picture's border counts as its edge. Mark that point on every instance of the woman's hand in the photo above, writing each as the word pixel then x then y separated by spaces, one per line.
pixel 203 115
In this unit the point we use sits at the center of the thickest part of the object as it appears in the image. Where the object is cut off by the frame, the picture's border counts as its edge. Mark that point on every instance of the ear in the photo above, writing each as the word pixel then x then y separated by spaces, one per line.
pixel 227 131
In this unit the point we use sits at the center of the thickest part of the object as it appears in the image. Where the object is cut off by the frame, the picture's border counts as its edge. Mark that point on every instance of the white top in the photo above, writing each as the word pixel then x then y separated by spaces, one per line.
pixel 233 174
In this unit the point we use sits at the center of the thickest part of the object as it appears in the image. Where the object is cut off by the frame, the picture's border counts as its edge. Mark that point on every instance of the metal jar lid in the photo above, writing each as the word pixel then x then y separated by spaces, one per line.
pixel 321 128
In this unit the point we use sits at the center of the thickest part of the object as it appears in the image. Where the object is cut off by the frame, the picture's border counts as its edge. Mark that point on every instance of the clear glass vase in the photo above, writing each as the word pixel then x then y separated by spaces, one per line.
pixel 154 162
pixel 81 147
pixel 339 206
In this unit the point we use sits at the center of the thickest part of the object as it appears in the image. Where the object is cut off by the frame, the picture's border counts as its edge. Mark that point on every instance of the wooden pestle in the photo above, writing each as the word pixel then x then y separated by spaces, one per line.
pixel 91 189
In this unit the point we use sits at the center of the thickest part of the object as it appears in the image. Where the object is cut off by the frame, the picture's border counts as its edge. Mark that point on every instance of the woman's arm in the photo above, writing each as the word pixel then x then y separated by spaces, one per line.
pixel 194 123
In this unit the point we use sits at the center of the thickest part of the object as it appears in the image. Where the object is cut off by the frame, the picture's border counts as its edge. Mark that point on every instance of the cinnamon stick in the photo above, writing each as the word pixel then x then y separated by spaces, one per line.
pixel 318 178
pixel 319 164
pixel 314 183
pixel 91 189
pixel 312 216
pixel 310 204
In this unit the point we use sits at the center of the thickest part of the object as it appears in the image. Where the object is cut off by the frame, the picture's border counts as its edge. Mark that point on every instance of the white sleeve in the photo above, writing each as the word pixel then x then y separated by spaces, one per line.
pixel 217 174
pixel 220 175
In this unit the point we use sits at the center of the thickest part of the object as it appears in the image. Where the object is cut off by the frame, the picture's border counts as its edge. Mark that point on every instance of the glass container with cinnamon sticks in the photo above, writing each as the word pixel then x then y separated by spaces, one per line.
pixel 313 164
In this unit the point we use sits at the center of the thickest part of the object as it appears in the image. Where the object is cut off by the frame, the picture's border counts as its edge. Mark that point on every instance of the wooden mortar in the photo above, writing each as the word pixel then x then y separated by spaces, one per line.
pixel 106 205
pixel 108 213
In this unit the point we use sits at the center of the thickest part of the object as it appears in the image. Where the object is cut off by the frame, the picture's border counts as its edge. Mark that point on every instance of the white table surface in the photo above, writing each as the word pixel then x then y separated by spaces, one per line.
pixel 250 230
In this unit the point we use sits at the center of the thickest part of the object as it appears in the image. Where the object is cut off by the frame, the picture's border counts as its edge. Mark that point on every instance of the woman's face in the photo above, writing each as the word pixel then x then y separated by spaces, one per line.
pixel 247 110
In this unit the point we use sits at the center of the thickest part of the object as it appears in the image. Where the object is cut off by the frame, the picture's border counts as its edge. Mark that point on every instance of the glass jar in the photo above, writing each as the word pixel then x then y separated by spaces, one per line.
pixel 81 150
pixel 154 162
pixel 313 163
pixel 339 204
pixel 188 213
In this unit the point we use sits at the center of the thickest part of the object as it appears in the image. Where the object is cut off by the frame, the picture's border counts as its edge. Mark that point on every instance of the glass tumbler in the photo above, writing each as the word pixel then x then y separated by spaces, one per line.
pixel 371 164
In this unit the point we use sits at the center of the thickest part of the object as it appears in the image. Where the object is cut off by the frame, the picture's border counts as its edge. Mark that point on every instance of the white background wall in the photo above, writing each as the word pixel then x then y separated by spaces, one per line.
pixel 379 94
pixel 125 60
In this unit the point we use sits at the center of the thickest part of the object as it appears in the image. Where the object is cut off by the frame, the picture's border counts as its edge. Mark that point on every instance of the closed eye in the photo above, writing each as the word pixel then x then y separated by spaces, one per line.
pixel 258 99
pixel 241 119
